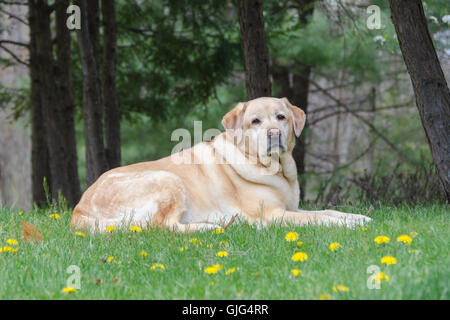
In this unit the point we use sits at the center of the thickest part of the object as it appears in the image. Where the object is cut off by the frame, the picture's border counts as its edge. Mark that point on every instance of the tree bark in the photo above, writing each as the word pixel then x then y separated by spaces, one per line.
pixel 55 87
pixel 93 20
pixel 63 75
pixel 254 47
pixel 39 151
pixel 429 84
pixel 96 162
pixel 40 168
pixel 111 105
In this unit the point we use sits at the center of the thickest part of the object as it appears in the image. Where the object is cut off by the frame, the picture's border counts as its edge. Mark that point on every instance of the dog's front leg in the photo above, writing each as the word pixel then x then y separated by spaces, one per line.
pixel 300 217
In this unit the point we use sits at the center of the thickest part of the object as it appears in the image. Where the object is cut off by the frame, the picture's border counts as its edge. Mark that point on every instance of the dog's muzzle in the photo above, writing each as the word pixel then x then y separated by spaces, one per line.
pixel 275 140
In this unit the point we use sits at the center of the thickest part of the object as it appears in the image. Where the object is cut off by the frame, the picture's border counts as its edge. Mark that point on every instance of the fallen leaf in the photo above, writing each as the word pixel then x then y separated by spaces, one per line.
pixel 97 281
pixel 30 232
pixel 114 280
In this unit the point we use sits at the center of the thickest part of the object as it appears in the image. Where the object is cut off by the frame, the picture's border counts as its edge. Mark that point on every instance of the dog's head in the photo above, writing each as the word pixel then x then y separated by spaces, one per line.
pixel 264 126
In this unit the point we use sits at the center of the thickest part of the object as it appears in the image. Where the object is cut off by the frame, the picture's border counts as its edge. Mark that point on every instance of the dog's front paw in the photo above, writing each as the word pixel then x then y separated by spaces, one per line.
pixel 355 220
pixel 349 220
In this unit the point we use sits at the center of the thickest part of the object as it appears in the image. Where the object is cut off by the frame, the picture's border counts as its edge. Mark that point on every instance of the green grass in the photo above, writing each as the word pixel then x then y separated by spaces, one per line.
pixel 38 271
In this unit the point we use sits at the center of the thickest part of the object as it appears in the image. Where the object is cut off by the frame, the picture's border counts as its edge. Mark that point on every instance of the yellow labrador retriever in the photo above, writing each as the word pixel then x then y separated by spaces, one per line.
pixel 247 170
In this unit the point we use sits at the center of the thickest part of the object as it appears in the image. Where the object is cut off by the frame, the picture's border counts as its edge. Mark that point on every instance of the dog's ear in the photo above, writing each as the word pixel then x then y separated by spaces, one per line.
pixel 298 116
pixel 233 119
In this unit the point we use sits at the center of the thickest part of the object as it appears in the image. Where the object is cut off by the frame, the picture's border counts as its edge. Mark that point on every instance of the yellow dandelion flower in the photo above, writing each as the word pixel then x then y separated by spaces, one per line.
pixel 291 236
pixel 8 249
pixel 220 230
pixel 54 216
pixel 388 260
pixel 158 266
pixel 135 228
pixel 213 269
pixel 222 254
pixel 413 234
pixel 297 272
pixel 381 239
pixel 325 296
pixel 80 234
pixel 69 290
pixel 340 288
pixel 12 242
pixel 181 249
pixel 109 259
pixel 380 277
pixel 143 253
pixel 20 213
pixel 404 238
pixel 299 243
pixel 230 271
pixel 362 229
pixel 110 229
pixel 299 256
pixel 334 246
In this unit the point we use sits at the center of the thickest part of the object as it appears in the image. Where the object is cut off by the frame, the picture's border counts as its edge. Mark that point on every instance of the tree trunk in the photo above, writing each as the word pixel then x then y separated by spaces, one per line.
pixel 93 21
pixel 39 151
pixel 96 162
pixel 57 110
pixel 40 168
pixel 430 87
pixel 111 106
pixel 254 47
pixel 63 75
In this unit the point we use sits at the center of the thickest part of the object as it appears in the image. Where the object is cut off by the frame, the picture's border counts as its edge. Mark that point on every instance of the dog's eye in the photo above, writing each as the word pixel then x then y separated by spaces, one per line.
pixel 256 121
pixel 281 117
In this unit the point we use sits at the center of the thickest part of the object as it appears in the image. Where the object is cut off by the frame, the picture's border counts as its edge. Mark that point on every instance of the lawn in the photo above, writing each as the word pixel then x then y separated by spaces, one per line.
pixel 261 258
